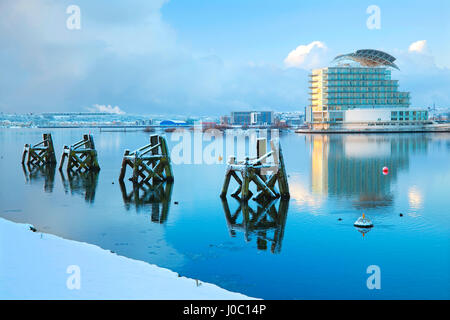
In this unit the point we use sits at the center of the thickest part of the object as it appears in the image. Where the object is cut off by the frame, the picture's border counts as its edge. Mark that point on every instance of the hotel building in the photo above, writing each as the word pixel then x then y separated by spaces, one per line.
pixel 358 92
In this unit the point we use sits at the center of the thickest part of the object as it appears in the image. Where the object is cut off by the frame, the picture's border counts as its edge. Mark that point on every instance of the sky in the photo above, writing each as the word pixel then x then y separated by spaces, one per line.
pixel 207 57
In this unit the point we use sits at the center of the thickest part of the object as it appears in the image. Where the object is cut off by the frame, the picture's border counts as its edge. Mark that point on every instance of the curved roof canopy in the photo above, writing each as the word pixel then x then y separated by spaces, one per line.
pixel 369 58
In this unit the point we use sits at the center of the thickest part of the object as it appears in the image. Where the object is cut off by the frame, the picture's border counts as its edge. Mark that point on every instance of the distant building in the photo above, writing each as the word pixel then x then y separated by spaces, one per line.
pixel 241 117
pixel 294 122
pixel 252 117
pixel 77 114
pixel 360 92
pixel 208 125
pixel 143 122
pixel 293 119
pixel 225 120
pixel 262 118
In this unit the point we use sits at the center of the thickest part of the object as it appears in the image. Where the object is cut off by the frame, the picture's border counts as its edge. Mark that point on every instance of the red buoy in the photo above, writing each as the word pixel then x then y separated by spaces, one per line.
pixel 385 170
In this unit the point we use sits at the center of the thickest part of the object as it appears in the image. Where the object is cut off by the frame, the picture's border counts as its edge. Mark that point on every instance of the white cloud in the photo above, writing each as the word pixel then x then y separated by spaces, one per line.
pixel 418 46
pixel 106 108
pixel 306 56
pixel 422 76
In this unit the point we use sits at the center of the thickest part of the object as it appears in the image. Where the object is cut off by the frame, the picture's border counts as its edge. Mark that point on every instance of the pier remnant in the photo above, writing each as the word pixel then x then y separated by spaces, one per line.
pixel 260 171
pixel 150 163
pixel 40 154
pixel 81 156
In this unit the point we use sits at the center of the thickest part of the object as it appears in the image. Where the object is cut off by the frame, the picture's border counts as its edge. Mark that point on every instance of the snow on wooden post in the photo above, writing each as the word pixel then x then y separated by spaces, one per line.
pixel 257 171
pixel 41 153
pixel 150 163
pixel 81 156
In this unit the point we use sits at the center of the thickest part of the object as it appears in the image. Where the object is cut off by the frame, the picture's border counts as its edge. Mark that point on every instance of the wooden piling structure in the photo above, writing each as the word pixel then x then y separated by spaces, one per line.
pixel 264 174
pixel 150 163
pixel 40 154
pixel 81 156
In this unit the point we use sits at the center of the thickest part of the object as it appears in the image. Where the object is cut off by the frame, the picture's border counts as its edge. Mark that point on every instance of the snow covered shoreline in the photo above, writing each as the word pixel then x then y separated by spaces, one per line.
pixel 36 265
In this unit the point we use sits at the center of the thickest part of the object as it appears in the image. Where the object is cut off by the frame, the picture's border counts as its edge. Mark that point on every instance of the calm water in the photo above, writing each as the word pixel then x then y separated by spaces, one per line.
pixel 294 250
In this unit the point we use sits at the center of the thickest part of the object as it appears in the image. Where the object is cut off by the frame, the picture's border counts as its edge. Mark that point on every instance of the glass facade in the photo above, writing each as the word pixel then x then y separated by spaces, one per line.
pixel 421 115
pixel 241 117
pixel 252 117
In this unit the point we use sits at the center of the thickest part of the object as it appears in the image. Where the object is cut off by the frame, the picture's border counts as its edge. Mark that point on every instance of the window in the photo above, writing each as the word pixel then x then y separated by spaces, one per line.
pixel 394 116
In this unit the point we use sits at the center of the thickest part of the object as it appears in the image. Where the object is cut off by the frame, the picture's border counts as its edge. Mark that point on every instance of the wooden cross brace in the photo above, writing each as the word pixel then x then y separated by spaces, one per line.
pixel 150 163
pixel 257 171
pixel 81 156
pixel 41 153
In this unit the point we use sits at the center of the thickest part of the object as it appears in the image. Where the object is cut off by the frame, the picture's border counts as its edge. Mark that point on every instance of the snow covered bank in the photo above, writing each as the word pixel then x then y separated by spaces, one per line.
pixel 42 266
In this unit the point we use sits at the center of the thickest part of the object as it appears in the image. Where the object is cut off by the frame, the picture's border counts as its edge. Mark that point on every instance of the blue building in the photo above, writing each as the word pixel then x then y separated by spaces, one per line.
pixel 172 123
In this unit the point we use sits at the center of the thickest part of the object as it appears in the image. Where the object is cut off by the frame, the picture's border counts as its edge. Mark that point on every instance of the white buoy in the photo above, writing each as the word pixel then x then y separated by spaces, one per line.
pixel 363 222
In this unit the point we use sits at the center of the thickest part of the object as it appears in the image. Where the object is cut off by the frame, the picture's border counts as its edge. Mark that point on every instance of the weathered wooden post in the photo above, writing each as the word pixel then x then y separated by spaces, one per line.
pixel 281 172
pixel 150 163
pixel 151 174
pixel 41 153
pixel 123 168
pixel 81 156
pixel 257 171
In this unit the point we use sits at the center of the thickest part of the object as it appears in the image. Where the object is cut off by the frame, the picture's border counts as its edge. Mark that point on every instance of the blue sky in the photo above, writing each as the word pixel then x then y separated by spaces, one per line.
pixel 207 57
pixel 265 30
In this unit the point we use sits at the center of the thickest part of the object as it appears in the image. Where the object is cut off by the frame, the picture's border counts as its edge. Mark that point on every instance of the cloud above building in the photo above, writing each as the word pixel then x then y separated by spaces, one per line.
pixel 418 46
pixel 422 76
pixel 307 56
pixel 105 109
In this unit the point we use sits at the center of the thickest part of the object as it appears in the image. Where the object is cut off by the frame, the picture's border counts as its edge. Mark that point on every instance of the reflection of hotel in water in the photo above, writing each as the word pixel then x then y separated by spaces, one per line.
pixel 351 166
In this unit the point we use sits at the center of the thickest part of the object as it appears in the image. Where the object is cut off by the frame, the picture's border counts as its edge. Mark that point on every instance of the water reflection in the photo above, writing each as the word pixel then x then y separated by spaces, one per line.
pixel 363 231
pixel 81 183
pixel 266 222
pixel 351 166
pixel 415 198
pixel 37 173
pixel 394 242
pixel 157 197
